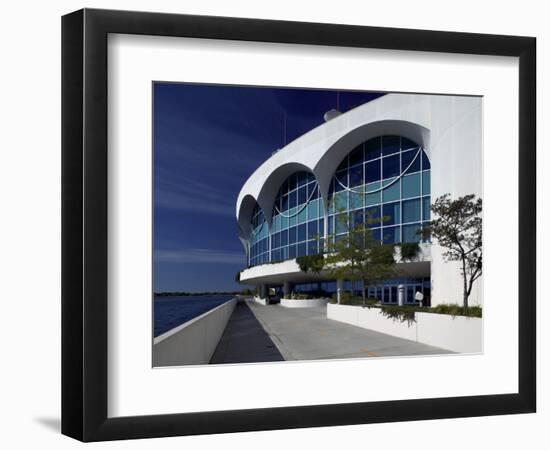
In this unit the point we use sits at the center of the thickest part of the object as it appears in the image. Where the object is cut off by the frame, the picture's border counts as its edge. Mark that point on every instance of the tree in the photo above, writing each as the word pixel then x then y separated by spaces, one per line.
pixel 458 228
pixel 311 263
pixel 356 256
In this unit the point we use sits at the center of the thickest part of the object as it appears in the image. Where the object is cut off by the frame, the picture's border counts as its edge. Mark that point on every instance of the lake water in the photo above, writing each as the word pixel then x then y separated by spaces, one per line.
pixel 171 311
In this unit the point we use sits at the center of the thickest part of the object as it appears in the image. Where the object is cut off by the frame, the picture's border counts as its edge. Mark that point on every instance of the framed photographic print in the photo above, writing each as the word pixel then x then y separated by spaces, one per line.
pixel 273 224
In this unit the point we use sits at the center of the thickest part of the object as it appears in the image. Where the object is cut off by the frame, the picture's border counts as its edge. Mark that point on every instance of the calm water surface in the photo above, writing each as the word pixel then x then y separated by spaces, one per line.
pixel 173 311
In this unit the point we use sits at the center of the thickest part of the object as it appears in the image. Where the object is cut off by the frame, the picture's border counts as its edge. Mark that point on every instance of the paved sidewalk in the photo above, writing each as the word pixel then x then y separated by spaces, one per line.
pixel 306 333
pixel 257 333
pixel 244 340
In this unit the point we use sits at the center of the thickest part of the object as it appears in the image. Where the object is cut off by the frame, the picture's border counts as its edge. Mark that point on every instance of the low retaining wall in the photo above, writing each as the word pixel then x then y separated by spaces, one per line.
pixel 303 303
pixel 195 341
pixel 456 333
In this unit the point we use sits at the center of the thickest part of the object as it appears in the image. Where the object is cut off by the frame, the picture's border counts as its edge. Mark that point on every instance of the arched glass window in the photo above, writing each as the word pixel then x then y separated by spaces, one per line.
pixel 387 181
pixel 259 239
pixel 298 218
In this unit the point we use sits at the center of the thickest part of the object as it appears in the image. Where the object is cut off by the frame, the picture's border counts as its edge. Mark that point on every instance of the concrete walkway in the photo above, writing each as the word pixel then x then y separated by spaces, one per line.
pixel 304 334
pixel 244 340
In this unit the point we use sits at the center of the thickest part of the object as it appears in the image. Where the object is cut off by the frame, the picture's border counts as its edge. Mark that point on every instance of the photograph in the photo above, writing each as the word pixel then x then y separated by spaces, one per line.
pixel 300 224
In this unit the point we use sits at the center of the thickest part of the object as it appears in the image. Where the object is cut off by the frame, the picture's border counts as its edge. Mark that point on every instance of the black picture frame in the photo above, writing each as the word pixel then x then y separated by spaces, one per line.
pixel 84 224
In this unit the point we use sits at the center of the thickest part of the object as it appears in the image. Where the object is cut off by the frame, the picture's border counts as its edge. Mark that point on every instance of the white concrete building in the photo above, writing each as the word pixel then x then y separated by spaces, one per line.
pixel 386 158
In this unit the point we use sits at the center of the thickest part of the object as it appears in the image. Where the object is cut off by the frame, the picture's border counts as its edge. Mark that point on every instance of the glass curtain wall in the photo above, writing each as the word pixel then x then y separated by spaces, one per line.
pixel 387 180
pixel 298 218
pixel 259 238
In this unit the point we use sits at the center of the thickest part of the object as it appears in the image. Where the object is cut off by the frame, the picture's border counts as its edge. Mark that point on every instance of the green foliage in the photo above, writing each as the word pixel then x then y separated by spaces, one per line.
pixel 357 256
pixel 406 313
pixel 400 313
pixel 311 263
pixel 457 310
pixel 458 228
pixel 409 250
pixel 246 291
pixel 300 296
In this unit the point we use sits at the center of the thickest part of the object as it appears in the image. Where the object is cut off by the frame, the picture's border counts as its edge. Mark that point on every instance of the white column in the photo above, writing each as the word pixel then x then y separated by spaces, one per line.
pixel 400 295
pixel 339 289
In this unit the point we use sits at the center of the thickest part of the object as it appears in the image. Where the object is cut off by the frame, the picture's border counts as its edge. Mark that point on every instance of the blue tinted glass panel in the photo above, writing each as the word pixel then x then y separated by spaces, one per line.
pixel 284 237
pixel 411 185
pixel 302 249
pixel 276 240
pixel 284 223
pixel 356 176
pixel 356 156
pixel 302 178
pixel 392 192
pixel 302 195
pixel 376 234
pixel 372 216
pixel 331 225
pixel 407 143
pixel 312 209
pixel 302 215
pixel 425 161
pixel 375 196
pixel 292 220
pixel 292 199
pixel 391 213
pixel 356 218
pixel 312 229
pixel 410 161
pixel 411 210
pixel 284 253
pixel 411 233
pixel 344 164
pixel 426 182
pixel 340 223
pixel 301 232
pixel 372 148
pixel 372 171
pixel 390 144
pixel 284 203
pixel 292 235
pixel 391 166
pixel 312 191
pixel 426 208
pixel 341 201
pixel 341 181
pixel 391 235
pixel 312 247
pixel 292 251
pixel 355 200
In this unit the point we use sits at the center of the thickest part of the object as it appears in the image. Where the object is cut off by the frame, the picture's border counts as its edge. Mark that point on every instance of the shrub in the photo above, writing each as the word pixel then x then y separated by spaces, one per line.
pixel 409 250
pixel 457 310
pixel 311 263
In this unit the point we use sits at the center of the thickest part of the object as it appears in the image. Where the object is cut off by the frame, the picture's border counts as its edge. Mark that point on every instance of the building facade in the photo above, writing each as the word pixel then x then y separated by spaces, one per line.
pixel 381 164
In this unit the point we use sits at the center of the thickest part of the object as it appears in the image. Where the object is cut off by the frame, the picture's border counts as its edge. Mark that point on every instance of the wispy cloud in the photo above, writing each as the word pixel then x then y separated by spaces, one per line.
pixel 192 196
pixel 198 256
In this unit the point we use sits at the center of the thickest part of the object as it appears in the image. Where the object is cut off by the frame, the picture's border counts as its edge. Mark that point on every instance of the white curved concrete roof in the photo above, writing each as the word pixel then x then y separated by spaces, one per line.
pixel 321 150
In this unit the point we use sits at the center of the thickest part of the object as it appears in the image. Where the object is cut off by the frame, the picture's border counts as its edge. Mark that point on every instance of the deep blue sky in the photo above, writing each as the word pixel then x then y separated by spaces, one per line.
pixel 208 139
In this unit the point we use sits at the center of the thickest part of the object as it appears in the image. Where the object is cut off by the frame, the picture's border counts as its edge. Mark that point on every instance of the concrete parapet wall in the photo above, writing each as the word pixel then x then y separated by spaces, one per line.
pixel 303 303
pixel 455 333
pixel 195 341
pixel 458 334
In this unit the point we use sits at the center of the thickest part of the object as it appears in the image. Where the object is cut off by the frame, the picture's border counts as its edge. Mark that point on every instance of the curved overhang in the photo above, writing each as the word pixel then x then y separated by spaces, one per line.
pixel 321 150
